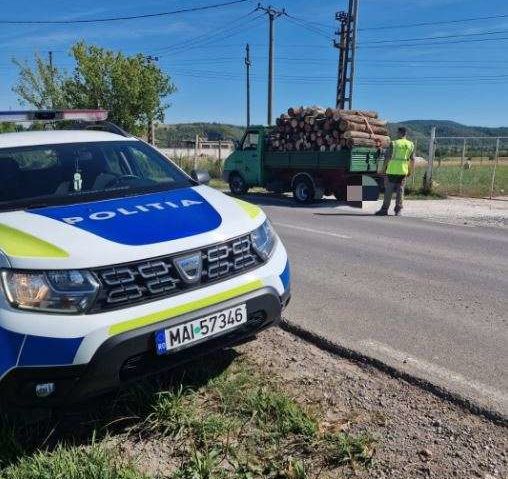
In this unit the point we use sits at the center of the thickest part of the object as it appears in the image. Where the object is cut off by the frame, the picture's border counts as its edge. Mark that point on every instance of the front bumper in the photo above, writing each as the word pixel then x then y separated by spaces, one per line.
pixel 131 355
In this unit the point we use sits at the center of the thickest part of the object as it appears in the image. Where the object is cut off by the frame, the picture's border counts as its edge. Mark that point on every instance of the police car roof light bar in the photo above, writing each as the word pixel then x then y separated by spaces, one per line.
pixel 53 115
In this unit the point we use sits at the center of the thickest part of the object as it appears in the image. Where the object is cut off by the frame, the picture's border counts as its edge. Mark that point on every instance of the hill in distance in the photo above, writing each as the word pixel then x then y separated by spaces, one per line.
pixel 417 130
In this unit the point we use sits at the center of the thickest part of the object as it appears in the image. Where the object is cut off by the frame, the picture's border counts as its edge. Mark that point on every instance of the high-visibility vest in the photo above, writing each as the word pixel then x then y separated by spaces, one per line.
pixel 402 149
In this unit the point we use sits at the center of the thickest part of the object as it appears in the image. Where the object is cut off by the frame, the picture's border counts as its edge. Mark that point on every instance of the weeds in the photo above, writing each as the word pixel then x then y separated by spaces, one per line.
pixel 200 465
pixel 172 413
pixel 94 462
pixel 226 420
pixel 279 413
pixel 346 449
pixel 10 448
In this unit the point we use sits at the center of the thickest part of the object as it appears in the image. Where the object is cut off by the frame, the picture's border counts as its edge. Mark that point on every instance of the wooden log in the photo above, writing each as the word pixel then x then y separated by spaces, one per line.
pixel 294 111
pixel 352 142
pixel 361 134
pixel 359 119
pixel 346 125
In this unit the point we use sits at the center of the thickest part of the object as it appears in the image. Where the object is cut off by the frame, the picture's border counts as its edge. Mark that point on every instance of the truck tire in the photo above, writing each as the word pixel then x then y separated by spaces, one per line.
pixel 237 185
pixel 303 190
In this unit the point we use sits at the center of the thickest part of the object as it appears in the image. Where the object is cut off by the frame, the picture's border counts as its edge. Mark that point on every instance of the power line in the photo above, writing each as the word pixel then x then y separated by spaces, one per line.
pixel 406 45
pixel 444 22
pixel 233 28
pixel 116 19
pixel 308 26
pixel 438 37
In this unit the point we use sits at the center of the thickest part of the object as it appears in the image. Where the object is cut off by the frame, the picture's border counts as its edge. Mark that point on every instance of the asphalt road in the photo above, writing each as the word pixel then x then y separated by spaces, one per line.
pixel 428 298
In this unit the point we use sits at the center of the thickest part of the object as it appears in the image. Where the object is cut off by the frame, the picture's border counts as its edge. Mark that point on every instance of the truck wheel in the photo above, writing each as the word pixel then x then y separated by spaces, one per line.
pixel 303 190
pixel 237 185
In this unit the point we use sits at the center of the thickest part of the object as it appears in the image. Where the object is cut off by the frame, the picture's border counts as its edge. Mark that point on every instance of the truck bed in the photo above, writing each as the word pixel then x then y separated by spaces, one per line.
pixel 353 160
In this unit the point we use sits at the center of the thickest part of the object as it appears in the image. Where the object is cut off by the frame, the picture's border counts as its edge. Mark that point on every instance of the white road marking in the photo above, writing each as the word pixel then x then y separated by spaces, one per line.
pixel 312 230
pixel 437 371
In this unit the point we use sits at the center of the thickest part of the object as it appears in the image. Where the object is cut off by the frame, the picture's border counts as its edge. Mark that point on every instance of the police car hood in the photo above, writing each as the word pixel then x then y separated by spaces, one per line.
pixel 121 230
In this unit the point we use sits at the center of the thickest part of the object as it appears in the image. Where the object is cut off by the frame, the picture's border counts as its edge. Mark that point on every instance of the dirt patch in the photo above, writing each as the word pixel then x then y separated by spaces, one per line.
pixel 418 434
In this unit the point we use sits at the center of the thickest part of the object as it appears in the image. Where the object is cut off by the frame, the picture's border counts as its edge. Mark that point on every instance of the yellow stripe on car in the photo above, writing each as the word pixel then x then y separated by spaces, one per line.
pixel 184 308
pixel 249 208
pixel 18 243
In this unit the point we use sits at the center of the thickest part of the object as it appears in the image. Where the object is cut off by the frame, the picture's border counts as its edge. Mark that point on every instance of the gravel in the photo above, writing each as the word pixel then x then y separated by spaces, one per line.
pixel 460 211
pixel 419 435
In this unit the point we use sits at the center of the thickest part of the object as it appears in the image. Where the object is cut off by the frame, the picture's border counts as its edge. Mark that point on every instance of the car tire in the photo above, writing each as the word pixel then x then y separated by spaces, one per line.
pixel 237 185
pixel 303 191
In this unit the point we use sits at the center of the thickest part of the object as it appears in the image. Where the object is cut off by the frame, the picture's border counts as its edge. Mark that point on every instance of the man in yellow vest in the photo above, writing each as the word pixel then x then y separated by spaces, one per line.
pixel 397 168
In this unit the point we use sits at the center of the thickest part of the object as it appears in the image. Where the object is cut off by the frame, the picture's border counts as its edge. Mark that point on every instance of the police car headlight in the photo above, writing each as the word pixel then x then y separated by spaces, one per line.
pixel 68 292
pixel 264 239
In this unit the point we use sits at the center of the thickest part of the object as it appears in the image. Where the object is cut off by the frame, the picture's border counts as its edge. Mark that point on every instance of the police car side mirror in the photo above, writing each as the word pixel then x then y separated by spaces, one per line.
pixel 201 176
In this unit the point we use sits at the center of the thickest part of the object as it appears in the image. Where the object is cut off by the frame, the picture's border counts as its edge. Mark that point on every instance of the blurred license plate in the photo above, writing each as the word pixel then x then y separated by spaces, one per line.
pixel 187 333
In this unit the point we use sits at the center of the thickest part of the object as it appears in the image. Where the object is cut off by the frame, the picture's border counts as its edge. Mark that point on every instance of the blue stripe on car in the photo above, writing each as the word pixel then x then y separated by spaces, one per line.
pixel 141 220
pixel 10 343
pixel 285 277
pixel 41 351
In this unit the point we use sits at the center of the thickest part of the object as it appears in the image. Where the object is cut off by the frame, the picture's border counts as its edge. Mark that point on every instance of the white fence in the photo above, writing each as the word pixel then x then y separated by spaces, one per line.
pixel 191 152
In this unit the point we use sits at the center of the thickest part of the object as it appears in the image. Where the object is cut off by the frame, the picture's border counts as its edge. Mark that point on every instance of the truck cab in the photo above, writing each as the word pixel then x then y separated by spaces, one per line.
pixel 244 167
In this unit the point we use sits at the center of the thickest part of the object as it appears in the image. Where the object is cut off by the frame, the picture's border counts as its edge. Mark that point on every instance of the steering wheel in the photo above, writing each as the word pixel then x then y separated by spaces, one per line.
pixel 119 179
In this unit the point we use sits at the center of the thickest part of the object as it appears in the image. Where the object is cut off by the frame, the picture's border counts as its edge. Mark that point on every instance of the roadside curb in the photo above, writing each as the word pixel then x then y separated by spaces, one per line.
pixel 356 356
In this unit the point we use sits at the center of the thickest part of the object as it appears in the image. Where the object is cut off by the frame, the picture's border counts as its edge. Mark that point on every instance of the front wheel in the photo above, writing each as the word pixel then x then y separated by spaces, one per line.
pixel 237 185
pixel 303 191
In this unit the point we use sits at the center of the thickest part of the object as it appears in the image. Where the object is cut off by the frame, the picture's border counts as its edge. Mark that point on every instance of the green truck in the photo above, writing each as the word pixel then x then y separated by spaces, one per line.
pixel 309 175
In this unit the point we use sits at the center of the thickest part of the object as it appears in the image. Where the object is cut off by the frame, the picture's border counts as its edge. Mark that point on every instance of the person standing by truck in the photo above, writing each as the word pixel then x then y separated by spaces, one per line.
pixel 397 169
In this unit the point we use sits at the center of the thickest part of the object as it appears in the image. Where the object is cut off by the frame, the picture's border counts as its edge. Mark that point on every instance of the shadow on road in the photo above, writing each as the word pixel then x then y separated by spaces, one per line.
pixel 334 206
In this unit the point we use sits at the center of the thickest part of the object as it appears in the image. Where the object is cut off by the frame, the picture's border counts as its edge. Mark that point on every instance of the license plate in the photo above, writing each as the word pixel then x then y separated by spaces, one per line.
pixel 183 335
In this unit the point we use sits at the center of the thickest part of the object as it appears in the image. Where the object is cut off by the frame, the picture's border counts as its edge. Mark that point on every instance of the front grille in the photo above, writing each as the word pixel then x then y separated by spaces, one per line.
pixel 132 283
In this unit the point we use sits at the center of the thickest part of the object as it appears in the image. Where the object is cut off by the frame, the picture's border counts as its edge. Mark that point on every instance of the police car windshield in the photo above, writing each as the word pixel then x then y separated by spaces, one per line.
pixel 68 173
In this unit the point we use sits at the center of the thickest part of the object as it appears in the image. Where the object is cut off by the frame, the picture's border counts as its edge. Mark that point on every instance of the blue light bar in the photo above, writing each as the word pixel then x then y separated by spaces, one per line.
pixel 53 115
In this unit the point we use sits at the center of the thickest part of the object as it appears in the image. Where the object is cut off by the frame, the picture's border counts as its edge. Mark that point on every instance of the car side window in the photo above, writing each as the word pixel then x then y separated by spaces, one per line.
pixel 251 141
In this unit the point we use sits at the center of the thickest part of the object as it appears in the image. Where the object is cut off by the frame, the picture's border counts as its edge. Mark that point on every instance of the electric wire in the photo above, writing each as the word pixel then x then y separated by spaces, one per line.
pixel 443 22
pixel 123 18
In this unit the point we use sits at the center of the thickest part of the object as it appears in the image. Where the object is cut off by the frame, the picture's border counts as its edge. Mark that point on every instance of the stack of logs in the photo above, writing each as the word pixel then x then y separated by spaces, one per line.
pixel 319 129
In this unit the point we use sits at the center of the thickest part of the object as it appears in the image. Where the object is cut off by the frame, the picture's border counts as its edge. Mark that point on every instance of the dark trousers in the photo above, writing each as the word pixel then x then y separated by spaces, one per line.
pixel 395 184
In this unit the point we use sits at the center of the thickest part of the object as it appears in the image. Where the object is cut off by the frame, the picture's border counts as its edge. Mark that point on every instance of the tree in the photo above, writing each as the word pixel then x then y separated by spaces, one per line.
pixel 40 87
pixel 132 88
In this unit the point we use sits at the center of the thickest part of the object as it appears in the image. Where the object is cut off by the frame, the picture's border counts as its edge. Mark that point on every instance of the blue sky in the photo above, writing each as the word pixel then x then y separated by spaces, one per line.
pixel 457 78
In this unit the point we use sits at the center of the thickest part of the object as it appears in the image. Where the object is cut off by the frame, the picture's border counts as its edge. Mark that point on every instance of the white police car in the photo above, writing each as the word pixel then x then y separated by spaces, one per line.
pixel 115 264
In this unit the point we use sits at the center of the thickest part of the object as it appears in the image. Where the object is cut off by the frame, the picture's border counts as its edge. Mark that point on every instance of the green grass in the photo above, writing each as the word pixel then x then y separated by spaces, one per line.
pixel 476 181
pixel 223 417
pixel 341 449
pixel 94 462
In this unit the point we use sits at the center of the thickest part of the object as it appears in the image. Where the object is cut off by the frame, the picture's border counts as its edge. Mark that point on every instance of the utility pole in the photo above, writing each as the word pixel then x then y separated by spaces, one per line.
pixel 52 73
pixel 272 15
pixel 346 44
pixel 151 124
pixel 248 64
